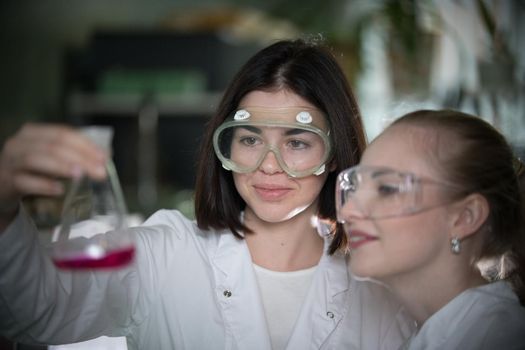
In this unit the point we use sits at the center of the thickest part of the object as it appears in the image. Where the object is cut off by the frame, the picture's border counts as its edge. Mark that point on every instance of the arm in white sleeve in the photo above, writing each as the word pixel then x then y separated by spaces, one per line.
pixel 41 304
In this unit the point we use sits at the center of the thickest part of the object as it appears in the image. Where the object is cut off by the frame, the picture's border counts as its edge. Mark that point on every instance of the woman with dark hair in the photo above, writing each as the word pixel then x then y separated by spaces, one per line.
pixel 260 268
pixel 443 227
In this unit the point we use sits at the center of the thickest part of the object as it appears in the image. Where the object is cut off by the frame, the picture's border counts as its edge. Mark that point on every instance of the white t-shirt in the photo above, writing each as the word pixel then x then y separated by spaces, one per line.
pixel 282 296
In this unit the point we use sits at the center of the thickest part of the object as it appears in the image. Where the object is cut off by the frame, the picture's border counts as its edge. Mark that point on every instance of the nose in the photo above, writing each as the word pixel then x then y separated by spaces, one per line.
pixel 350 211
pixel 270 164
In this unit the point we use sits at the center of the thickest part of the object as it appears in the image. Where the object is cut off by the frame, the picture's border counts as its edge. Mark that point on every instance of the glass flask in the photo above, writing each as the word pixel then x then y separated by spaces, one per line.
pixel 90 209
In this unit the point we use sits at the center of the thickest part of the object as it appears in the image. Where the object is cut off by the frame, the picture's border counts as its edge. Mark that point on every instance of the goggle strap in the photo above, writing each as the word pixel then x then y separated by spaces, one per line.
pixel 321 170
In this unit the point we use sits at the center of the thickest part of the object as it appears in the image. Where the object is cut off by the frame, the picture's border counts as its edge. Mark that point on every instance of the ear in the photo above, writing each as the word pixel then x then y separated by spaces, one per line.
pixel 472 212
pixel 332 165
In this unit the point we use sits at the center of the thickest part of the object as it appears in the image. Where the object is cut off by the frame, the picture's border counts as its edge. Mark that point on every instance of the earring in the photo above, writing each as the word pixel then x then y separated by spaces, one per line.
pixel 455 245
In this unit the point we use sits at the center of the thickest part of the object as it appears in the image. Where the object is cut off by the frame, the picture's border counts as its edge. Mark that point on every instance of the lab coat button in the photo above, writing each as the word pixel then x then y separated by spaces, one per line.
pixel 227 293
pixel 330 314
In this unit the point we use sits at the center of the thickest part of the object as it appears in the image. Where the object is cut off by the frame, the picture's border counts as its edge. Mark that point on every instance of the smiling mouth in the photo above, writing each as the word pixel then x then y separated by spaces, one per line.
pixel 271 192
pixel 357 239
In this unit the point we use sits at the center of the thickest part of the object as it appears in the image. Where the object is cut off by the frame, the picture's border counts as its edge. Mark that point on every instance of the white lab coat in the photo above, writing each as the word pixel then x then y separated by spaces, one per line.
pixel 187 289
pixel 483 318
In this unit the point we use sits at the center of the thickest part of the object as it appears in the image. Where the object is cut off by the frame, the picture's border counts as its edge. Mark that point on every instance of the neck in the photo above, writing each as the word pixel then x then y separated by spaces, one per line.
pixel 425 294
pixel 290 245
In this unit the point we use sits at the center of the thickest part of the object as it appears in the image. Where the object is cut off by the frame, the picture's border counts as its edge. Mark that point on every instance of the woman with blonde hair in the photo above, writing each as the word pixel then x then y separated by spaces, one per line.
pixel 434 211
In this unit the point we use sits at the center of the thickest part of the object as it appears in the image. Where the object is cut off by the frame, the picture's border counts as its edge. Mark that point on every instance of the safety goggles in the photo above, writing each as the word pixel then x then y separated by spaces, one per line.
pixel 297 136
pixel 378 193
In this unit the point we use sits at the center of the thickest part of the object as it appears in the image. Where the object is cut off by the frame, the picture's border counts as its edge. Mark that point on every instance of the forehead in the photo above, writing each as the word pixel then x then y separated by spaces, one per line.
pixel 403 148
pixel 280 106
pixel 289 117
pixel 278 98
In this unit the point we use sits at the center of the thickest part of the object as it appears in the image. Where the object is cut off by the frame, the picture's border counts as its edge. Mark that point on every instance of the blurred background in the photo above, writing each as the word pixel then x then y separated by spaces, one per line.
pixel 155 70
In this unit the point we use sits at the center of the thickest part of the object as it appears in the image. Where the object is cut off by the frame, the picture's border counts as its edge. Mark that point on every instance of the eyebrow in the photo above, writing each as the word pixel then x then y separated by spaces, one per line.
pixel 379 172
pixel 251 128
pixel 294 131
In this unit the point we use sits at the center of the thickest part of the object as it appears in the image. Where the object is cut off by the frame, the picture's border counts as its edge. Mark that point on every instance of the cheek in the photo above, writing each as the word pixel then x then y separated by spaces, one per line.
pixel 313 183
pixel 405 244
pixel 240 181
pixel 412 237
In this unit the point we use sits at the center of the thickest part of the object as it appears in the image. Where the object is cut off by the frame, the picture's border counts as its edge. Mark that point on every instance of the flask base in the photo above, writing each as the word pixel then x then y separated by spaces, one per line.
pixel 112 259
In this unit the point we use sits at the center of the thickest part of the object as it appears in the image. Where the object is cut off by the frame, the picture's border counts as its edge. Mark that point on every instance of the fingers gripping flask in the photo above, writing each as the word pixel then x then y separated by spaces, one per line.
pixel 92 208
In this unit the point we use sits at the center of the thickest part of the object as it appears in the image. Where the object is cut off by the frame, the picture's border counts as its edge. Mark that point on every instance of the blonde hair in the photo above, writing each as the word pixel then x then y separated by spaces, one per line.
pixel 483 162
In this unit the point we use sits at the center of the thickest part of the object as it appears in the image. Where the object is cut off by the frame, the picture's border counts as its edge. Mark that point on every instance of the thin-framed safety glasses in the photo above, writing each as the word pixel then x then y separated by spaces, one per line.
pixel 380 192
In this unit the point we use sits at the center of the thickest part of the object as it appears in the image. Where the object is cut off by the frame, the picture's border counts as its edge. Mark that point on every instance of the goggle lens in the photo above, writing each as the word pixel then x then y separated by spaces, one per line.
pixel 301 149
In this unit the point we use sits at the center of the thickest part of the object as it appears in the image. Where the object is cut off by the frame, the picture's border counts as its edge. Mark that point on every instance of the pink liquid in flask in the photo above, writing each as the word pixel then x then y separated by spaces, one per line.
pixel 113 259
pixel 91 209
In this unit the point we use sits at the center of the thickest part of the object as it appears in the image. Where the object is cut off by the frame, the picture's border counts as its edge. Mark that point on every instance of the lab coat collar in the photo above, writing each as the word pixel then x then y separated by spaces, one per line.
pixel 238 293
pixel 325 305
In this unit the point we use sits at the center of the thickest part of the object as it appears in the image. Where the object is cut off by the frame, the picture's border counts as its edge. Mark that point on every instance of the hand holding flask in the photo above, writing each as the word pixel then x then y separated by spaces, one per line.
pixel 91 208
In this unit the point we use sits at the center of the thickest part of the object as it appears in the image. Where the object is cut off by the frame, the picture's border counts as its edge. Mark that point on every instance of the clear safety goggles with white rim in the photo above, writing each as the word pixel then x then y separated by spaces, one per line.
pixel 298 137
pixel 379 192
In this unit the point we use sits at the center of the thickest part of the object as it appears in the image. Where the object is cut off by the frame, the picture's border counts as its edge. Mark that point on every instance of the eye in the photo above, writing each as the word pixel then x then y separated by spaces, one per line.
pixel 388 189
pixel 298 144
pixel 249 140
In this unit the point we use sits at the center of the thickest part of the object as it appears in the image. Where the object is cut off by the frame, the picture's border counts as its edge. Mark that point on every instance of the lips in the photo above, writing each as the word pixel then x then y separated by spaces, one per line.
pixel 358 238
pixel 271 192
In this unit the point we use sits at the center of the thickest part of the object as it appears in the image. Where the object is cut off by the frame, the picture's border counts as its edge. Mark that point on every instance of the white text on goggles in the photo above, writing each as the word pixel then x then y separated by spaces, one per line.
pixel 378 193
pixel 301 149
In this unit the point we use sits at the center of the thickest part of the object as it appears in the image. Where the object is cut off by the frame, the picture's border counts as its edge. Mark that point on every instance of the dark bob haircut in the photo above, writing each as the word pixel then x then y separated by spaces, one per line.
pixel 309 70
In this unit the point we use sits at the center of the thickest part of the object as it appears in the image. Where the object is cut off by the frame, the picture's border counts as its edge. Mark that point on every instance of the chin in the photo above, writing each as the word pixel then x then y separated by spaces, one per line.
pixel 363 270
pixel 276 215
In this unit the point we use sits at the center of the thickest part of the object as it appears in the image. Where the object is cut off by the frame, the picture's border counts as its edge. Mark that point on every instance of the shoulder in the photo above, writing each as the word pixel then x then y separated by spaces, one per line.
pixel 172 228
pixel 170 244
pixel 494 300
pixel 171 218
pixel 374 293
pixel 381 308
pixel 501 311
pixel 480 318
